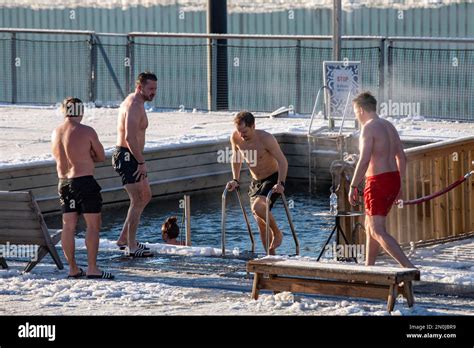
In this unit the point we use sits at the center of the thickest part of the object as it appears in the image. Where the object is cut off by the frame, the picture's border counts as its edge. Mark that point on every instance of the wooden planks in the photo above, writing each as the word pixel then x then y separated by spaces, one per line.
pixel 333 279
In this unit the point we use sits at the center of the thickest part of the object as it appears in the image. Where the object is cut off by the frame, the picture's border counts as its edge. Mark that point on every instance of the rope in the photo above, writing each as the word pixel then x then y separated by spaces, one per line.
pixel 436 194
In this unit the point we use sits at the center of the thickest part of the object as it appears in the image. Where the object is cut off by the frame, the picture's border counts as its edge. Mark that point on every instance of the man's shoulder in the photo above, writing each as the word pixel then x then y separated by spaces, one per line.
pixel 130 104
pixel 264 135
pixel 87 130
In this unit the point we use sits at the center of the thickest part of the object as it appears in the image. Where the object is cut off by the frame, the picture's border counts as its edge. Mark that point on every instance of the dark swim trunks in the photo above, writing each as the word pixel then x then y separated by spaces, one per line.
pixel 125 164
pixel 263 187
pixel 380 193
pixel 80 195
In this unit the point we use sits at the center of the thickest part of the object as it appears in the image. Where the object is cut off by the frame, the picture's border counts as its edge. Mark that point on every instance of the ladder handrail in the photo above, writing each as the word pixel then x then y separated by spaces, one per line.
pixel 288 215
pixel 314 107
pixel 344 113
pixel 224 215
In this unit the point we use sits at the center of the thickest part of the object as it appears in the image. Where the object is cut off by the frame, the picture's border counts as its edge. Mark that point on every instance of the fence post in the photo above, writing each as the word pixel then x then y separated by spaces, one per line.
pixel 389 70
pixel 218 87
pixel 13 68
pixel 128 65
pixel 382 71
pixel 297 107
pixel 93 73
pixel 211 80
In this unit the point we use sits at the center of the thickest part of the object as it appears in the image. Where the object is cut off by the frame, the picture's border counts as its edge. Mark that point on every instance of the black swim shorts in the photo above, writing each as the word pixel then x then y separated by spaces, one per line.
pixel 80 195
pixel 262 188
pixel 125 164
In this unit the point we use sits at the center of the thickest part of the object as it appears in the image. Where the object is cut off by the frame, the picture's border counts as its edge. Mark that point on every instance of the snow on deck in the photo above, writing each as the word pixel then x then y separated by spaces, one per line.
pixel 26 131
pixel 175 290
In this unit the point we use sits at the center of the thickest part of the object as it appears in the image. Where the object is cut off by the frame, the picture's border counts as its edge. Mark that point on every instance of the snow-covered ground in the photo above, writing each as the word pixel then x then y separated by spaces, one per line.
pixel 157 291
pixel 164 290
pixel 26 132
pixel 233 6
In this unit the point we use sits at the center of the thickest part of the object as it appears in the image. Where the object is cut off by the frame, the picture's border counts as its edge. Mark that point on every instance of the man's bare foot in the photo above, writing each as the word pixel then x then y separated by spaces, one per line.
pixel 277 240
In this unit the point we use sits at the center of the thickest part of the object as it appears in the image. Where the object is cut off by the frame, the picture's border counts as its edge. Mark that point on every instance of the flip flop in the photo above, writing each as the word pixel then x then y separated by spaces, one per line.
pixel 104 275
pixel 139 245
pixel 141 253
pixel 78 275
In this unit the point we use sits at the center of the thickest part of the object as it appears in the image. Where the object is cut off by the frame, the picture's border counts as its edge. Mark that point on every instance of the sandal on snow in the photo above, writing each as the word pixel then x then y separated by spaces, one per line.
pixel 104 275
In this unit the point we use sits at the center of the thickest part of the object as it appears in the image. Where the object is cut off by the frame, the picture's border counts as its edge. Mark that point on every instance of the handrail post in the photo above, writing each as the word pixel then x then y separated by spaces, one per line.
pixel 290 222
pixel 246 219
pixel 223 218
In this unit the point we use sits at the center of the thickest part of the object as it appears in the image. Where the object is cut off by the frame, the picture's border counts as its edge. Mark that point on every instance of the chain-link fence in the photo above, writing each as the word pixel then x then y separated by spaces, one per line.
pixel 258 74
pixel 434 82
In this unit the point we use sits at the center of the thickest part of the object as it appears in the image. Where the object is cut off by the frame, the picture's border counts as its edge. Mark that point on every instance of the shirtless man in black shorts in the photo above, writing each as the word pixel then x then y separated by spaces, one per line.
pixel 129 163
pixel 268 167
pixel 75 148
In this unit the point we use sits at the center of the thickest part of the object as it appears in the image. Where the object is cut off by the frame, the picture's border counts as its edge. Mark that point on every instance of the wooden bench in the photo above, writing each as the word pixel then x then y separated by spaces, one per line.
pixel 21 223
pixel 351 280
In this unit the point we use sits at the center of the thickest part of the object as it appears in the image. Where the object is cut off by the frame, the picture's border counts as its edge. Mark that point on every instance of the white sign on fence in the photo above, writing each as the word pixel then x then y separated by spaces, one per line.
pixel 341 78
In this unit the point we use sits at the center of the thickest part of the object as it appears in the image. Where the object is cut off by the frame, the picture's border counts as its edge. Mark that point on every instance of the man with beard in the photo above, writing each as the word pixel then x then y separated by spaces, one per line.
pixel 129 162
pixel 268 167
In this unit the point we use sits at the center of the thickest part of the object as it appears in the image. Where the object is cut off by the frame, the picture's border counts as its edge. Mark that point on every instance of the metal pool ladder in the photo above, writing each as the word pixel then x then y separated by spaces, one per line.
pixel 224 215
pixel 290 222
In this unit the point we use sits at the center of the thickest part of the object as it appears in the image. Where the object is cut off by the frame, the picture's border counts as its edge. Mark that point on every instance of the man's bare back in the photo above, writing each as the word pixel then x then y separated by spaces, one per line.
pixel 385 145
pixel 132 124
pixel 264 162
pixel 75 148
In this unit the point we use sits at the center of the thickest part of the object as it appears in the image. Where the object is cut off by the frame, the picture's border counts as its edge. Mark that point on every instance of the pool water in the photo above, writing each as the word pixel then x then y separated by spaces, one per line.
pixel 312 231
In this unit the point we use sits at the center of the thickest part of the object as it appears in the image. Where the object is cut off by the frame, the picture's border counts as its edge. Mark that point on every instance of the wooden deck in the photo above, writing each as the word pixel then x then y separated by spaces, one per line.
pixel 373 282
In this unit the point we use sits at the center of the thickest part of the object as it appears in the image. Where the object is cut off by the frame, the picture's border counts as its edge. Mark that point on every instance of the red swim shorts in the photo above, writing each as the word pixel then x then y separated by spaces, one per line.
pixel 380 192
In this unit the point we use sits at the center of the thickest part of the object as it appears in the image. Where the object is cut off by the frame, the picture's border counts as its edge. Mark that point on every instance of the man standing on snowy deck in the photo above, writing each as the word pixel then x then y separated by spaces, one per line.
pixel 75 148
pixel 382 160
pixel 268 167
pixel 129 162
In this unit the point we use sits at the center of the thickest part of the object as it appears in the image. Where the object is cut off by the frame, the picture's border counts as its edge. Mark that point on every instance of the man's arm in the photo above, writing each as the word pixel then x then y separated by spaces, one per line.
pixel 132 122
pixel 62 164
pixel 271 144
pixel 97 150
pixel 401 159
pixel 366 145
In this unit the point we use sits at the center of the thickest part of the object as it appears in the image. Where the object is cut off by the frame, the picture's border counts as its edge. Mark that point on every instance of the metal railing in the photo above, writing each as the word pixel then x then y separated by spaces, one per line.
pixel 224 217
pixel 95 69
pixel 290 222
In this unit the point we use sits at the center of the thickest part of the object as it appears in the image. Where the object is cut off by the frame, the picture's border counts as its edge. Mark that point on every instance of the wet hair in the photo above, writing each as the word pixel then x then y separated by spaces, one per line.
pixel 244 117
pixel 366 101
pixel 143 78
pixel 170 227
pixel 72 107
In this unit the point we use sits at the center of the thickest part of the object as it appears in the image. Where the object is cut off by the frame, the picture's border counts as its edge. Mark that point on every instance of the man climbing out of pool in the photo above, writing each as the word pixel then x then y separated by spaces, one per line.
pixel 268 167
pixel 382 160
pixel 75 148
pixel 129 163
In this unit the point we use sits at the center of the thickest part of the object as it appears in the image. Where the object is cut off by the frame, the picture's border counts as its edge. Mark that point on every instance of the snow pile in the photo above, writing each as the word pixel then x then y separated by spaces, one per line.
pixel 167 249
pixel 153 291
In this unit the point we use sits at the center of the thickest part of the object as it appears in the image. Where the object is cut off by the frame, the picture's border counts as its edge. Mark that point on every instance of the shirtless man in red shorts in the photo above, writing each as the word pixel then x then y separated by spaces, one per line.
pixel 382 159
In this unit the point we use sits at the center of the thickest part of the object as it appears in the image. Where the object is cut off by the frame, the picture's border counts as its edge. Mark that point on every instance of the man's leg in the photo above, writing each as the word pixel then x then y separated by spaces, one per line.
pixel 259 212
pixel 386 241
pixel 372 245
pixel 68 242
pixel 140 195
pixel 93 222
